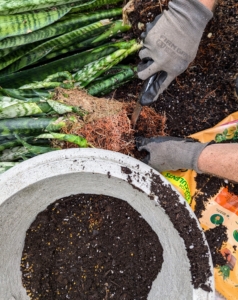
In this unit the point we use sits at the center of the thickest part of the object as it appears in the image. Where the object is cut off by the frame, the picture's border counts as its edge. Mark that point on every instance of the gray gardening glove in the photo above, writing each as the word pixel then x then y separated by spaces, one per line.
pixel 170 43
pixel 171 153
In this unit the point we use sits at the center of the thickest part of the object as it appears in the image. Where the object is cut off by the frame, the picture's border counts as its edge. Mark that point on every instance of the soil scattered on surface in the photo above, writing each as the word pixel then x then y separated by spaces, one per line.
pixel 197 250
pixel 144 11
pixel 204 94
pixel 216 237
pixel 90 247
pixel 208 186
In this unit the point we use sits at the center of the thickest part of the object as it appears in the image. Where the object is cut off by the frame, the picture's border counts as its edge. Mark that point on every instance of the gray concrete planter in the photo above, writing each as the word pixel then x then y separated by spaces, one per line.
pixel 30 187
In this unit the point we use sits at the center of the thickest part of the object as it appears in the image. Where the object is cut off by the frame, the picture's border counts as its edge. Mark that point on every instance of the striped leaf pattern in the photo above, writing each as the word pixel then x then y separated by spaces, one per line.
pixel 17 6
pixel 57 43
pixel 34 32
pixel 16 54
pixel 30 125
pixel 63 26
pixel 25 23
pixel 73 62
pixel 87 6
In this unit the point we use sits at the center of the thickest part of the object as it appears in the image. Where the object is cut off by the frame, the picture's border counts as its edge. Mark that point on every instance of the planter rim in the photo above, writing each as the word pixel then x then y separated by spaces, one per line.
pixel 103 165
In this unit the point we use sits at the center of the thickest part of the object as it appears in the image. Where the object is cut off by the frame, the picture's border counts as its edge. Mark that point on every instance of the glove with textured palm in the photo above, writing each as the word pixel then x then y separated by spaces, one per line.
pixel 171 153
pixel 170 43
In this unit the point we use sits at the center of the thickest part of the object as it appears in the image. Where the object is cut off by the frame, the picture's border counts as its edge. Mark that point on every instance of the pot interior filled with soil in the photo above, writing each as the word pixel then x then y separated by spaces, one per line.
pixel 96 224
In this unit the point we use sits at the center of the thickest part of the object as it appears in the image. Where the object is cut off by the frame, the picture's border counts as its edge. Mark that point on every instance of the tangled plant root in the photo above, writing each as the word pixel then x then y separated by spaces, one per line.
pixel 108 125
pixel 111 133
pixel 150 123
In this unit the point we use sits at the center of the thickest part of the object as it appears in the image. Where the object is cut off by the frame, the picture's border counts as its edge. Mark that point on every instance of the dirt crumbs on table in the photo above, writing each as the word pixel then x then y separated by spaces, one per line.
pixel 207 188
pixel 216 237
pixel 90 247
pixel 204 94
pixel 187 227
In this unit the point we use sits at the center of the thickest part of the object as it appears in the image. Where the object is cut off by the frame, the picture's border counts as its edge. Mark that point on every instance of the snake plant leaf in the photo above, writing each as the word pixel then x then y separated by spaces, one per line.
pixel 8 101
pixel 11 142
pixel 4 166
pixel 31 125
pixel 73 62
pixel 13 25
pixel 35 150
pixel 75 139
pixel 13 108
pixel 108 84
pixel 116 28
pixel 17 6
pixel 14 55
pixel 56 43
pixel 66 24
pixel 26 95
pixel 23 110
pixel 95 4
pixel 95 69
pixel 14 153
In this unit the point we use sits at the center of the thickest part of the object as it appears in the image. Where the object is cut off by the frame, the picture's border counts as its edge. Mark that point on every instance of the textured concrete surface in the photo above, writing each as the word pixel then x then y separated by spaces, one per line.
pixel 31 186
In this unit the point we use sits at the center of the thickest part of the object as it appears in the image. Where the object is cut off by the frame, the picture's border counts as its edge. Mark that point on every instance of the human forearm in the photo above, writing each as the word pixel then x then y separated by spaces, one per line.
pixel 210 4
pixel 220 160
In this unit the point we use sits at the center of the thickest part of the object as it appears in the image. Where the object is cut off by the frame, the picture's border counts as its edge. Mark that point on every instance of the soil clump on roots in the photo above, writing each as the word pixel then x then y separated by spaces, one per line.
pixel 108 124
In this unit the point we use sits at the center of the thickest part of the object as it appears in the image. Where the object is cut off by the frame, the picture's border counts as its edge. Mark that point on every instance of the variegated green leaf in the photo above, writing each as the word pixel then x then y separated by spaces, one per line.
pixel 75 139
pixel 12 25
pixel 4 166
pixel 16 6
pixel 31 125
pixel 64 25
pixel 54 44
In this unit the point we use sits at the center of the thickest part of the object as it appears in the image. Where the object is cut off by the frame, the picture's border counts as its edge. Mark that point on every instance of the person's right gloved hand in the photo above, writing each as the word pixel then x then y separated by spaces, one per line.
pixel 171 153
pixel 170 43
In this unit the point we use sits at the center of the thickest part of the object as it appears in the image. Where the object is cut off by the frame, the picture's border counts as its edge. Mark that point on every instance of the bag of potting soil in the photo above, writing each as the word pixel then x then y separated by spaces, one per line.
pixel 215 201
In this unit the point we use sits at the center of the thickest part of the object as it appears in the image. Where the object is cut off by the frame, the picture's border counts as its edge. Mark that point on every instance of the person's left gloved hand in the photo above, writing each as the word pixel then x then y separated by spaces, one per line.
pixel 171 153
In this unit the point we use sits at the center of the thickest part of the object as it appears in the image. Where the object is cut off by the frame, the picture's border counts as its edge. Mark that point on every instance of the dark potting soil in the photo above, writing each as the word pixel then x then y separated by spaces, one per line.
pixel 216 237
pixel 90 247
pixel 209 186
pixel 204 94
pixel 197 250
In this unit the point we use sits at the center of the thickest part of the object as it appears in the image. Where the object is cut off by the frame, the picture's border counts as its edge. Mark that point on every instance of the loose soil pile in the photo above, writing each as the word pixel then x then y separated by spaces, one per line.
pixel 216 237
pixel 98 247
pixel 209 185
pixel 90 247
pixel 204 94
pixel 197 251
